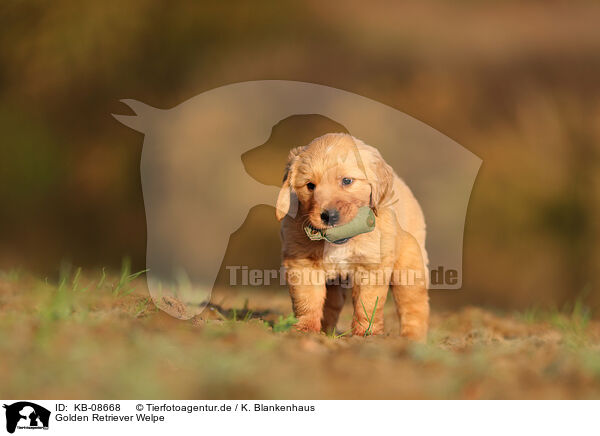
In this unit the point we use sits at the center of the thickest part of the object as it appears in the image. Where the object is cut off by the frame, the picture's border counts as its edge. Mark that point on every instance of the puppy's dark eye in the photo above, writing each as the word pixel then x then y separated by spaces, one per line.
pixel 310 186
pixel 347 181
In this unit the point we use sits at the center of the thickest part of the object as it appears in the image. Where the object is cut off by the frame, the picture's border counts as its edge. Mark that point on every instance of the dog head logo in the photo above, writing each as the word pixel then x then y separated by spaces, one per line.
pixel 26 415
pixel 197 192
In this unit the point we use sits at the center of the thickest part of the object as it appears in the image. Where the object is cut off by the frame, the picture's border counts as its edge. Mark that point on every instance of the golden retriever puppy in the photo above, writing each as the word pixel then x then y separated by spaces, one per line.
pixel 325 184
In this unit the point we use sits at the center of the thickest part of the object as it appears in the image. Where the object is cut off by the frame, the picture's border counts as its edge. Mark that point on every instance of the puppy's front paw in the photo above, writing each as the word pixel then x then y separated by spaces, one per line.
pixel 358 330
pixel 308 325
pixel 361 330
pixel 414 333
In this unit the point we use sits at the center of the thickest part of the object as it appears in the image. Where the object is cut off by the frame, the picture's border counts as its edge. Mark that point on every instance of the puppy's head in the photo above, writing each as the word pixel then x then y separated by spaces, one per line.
pixel 327 181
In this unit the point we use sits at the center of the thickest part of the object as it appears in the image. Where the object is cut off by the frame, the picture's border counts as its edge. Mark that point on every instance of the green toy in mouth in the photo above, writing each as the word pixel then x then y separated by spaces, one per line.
pixel 363 222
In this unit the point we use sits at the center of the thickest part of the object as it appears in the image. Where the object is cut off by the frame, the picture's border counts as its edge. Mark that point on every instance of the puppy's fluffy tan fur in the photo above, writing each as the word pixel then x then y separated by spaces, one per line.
pixel 393 254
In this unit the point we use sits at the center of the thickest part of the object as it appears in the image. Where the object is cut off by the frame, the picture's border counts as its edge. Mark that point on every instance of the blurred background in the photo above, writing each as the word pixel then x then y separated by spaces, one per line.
pixel 516 84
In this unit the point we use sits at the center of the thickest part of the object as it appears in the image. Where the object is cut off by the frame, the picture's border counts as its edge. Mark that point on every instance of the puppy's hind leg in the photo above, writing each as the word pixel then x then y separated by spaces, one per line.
pixel 412 304
pixel 334 302
pixel 409 286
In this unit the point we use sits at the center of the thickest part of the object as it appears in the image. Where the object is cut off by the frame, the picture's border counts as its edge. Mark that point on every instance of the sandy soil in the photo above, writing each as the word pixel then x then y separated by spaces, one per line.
pixel 81 340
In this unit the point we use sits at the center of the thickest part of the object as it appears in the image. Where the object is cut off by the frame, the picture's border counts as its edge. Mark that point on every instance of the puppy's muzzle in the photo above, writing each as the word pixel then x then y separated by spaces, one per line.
pixel 330 217
pixel 363 222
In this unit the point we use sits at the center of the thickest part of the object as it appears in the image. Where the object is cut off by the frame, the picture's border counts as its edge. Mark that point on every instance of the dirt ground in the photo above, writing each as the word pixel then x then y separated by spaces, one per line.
pixel 105 339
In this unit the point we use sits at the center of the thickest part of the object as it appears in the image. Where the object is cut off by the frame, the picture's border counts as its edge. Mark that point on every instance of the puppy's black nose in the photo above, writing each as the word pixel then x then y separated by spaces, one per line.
pixel 330 216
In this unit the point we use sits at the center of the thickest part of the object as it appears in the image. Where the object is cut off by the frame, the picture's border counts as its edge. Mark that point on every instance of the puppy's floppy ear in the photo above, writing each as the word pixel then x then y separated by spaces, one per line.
pixel 382 183
pixel 287 201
